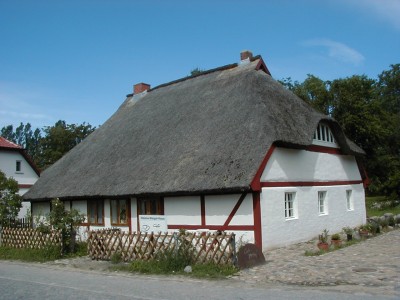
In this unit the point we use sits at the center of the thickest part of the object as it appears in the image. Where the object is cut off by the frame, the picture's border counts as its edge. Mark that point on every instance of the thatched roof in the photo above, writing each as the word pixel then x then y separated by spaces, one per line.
pixel 206 133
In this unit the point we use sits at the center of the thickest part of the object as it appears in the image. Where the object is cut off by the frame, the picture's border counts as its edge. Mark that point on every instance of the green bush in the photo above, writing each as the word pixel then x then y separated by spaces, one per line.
pixel 116 258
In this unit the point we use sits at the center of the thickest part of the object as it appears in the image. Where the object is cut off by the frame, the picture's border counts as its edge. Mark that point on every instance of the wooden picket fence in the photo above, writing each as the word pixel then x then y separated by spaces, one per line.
pixel 18 223
pixel 29 238
pixel 214 247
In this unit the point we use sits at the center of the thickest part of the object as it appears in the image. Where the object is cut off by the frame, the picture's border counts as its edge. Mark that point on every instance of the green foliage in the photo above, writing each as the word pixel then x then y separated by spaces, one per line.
pixel 210 270
pixel 348 230
pixel 366 227
pixel 321 252
pixel 196 71
pixel 67 221
pixel 32 255
pixel 369 112
pixel 10 201
pixel 168 262
pixel 24 136
pixel 61 138
pixel 379 205
pixel 335 237
pixel 206 270
pixel 323 237
pixel 174 261
pixel 81 249
pixel 48 144
pixel 116 258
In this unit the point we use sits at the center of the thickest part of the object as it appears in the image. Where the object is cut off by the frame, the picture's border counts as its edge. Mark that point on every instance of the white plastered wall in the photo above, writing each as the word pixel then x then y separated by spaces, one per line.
pixel 287 165
pixel 308 223
pixel 300 165
pixel 186 210
pixel 39 211
pixel 27 175
pixel 183 210
pixel 134 217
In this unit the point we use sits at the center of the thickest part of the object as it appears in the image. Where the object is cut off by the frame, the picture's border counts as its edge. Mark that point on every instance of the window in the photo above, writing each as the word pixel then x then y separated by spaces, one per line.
pixel 150 206
pixel 95 212
pixel 324 134
pixel 289 205
pixel 18 167
pixel 322 205
pixel 119 212
pixel 349 200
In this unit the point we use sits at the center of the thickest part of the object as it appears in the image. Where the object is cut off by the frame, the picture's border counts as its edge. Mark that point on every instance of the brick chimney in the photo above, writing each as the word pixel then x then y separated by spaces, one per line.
pixel 140 87
pixel 246 54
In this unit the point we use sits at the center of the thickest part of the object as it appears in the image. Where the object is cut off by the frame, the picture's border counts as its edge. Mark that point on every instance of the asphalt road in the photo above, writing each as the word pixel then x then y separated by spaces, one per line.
pixel 35 281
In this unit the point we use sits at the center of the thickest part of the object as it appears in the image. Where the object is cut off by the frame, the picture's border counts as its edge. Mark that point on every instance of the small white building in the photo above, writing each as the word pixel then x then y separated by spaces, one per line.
pixel 16 163
pixel 227 149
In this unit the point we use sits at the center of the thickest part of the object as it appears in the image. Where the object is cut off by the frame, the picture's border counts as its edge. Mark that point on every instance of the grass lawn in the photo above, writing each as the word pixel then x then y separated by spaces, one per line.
pixel 371 211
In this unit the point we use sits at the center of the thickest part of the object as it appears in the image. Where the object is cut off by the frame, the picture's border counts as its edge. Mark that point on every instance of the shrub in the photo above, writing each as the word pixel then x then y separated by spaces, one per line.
pixel 66 221
pixel 323 238
pixel 116 258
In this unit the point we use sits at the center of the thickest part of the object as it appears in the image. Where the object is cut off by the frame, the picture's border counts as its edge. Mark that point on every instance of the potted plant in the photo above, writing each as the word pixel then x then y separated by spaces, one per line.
pixel 323 241
pixel 365 230
pixel 349 232
pixel 336 240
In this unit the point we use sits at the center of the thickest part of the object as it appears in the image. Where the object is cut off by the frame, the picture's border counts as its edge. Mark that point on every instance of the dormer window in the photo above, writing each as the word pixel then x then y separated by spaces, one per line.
pixel 323 136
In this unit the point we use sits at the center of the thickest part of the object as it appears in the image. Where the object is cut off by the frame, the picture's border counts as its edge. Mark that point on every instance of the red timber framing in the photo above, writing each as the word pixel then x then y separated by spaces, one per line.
pixel 25 186
pixel 308 183
pixel 256 227
pixel 255 184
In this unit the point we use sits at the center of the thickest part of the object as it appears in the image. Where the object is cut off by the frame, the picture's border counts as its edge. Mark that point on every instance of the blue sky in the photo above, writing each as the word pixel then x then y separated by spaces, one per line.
pixel 77 60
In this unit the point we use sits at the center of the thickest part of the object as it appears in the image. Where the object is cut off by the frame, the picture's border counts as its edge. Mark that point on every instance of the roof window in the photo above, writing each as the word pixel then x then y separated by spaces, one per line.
pixel 324 136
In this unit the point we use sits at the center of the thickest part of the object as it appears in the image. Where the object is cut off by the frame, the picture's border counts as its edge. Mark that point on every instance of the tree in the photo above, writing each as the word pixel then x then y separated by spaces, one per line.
pixel 357 111
pixel 196 71
pixel 10 201
pixel 368 111
pixel 25 137
pixel 61 138
pixel 57 140
pixel 388 88
pixel 388 95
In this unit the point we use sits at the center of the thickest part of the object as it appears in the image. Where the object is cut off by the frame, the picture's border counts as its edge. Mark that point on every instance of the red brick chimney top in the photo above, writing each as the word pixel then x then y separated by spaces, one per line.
pixel 140 87
pixel 246 54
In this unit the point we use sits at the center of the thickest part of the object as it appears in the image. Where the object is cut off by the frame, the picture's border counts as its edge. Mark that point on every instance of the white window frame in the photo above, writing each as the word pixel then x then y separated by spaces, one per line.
pixel 322 203
pixel 349 200
pixel 323 136
pixel 290 206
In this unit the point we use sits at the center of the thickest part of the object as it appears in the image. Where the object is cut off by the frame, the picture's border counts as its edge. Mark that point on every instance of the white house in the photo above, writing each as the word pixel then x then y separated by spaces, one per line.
pixel 227 149
pixel 16 163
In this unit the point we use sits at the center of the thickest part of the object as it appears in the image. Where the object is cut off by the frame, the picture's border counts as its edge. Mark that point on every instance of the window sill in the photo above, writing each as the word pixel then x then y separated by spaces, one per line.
pixel 321 215
pixel 19 173
pixel 120 225
pixel 291 219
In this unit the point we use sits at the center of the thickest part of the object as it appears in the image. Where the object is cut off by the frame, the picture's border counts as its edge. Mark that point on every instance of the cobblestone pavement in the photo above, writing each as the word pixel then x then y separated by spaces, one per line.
pixel 372 266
